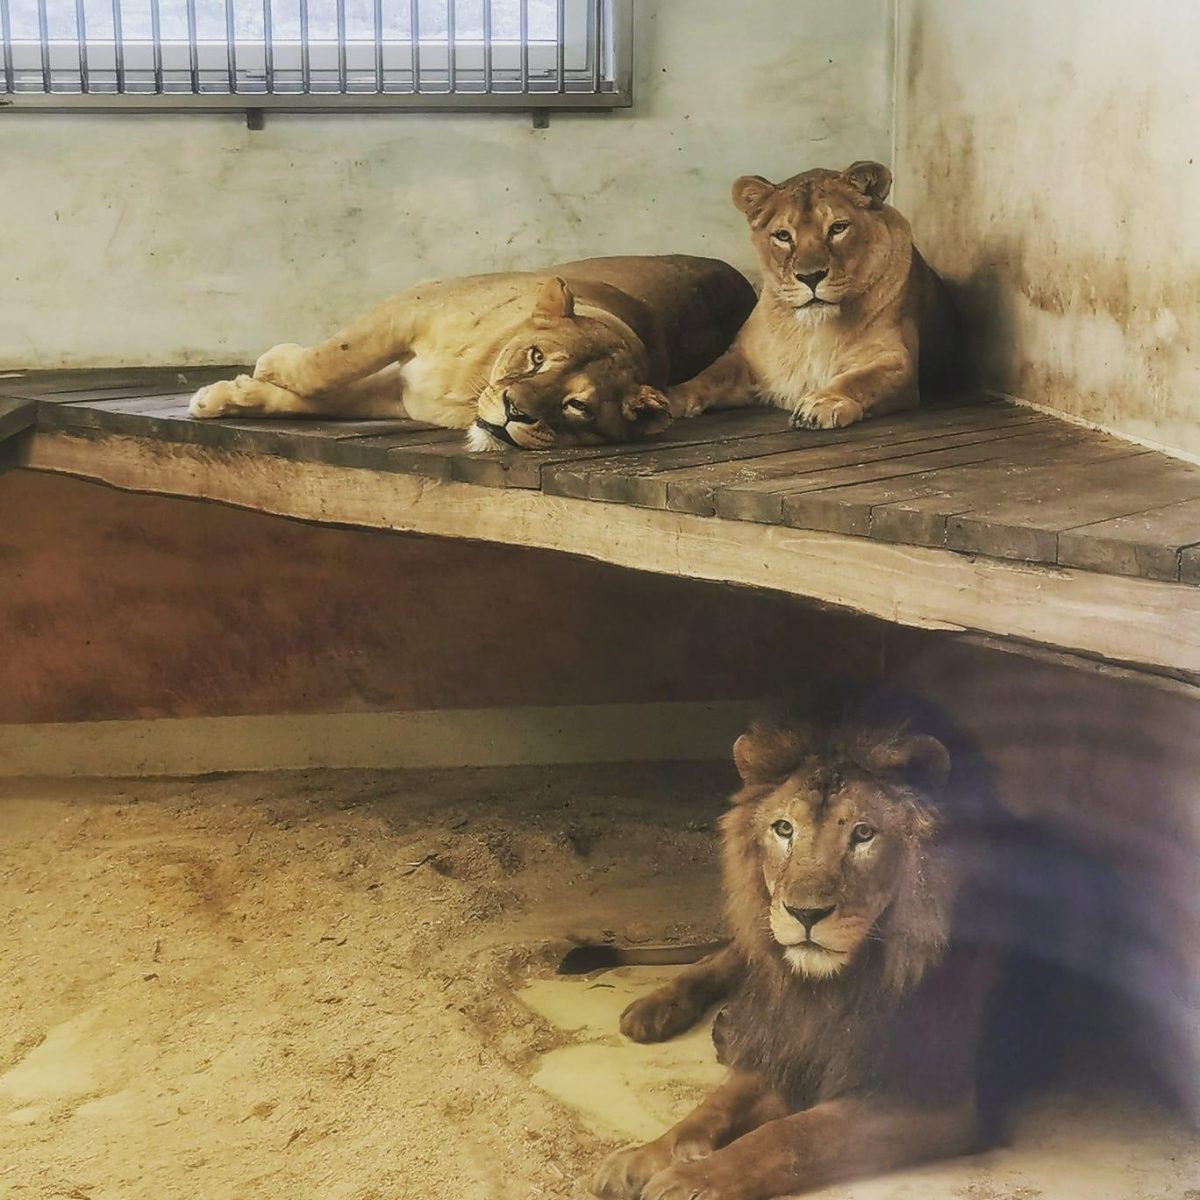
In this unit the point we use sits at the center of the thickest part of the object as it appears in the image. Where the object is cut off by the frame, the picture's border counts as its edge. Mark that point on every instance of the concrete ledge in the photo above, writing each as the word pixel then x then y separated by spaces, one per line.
pixel 489 737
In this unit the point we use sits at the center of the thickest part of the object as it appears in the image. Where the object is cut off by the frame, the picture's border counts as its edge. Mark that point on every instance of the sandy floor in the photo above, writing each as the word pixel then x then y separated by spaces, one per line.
pixel 340 985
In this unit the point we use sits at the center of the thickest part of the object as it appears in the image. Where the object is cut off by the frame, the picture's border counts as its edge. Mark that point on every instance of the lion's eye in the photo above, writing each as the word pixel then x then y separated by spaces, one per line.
pixel 536 357
pixel 782 828
pixel 838 227
pixel 782 235
pixel 576 407
pixel 862 833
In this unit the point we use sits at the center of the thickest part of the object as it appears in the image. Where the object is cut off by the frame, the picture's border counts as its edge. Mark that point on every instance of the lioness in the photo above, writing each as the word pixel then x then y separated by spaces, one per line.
pixel 849 309
pixel 852 1031
pixel 572 356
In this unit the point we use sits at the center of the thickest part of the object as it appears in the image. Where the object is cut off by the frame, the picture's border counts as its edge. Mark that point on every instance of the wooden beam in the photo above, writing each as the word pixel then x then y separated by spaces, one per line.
pixel 1142 623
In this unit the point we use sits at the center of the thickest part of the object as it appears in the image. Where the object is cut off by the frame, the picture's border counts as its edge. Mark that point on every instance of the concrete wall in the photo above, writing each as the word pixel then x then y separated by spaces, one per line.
pixel 1049 158
pixel 189 239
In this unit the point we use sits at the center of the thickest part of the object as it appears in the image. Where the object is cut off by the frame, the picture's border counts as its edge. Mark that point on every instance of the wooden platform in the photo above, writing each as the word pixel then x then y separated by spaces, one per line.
pixel 979 516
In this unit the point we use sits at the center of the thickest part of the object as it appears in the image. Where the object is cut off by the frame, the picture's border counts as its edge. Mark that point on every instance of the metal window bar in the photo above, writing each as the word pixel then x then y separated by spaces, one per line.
pixel 6 34
pixel 566 54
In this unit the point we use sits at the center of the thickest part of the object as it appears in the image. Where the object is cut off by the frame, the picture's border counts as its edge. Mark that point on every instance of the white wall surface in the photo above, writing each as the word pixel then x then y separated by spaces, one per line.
pixel 1048 155
pixel 141 239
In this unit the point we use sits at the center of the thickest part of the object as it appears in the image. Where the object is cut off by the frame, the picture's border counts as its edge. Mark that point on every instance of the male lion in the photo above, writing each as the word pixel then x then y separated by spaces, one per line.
pixel 852 1032
pixel 571 356
pixel 849 309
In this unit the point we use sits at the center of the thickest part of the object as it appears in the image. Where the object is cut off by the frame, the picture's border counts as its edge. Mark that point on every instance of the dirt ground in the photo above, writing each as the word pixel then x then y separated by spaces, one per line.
pixel 340 985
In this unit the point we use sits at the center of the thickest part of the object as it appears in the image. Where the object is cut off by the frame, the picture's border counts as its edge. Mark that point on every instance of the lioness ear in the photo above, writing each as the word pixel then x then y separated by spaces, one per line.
pixel 917 759
pixel 647 411
pixel 873 179
pixel 554 302
pixel 750 195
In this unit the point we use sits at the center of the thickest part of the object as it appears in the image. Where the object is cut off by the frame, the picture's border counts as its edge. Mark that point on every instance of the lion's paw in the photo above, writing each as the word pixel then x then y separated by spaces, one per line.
pixel 624 1173
pixel 219 399
pixel 826 410
pixel 281 366
pixel 689 1181
pixel 658 1016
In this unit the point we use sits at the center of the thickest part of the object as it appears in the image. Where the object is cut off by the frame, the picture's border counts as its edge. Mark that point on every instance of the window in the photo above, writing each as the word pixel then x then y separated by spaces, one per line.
pixel 325 54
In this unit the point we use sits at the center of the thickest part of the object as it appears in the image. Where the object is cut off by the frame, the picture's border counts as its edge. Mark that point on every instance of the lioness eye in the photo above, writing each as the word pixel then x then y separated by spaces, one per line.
pixel 861 833
pixel 576 407
pixel 782 235
pixel 838 227
pixel 782 829
pixel 536 357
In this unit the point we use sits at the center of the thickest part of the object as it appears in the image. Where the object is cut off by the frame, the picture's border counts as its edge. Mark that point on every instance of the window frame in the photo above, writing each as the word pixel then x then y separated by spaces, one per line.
pixel 453 72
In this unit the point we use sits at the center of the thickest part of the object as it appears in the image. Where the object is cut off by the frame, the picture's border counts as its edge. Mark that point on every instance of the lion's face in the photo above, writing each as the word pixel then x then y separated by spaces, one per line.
pixel 827 838
pixel 820 236
pixel 567 380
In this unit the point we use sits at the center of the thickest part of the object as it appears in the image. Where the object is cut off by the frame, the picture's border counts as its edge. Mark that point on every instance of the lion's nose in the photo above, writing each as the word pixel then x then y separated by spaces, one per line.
pixel 808 917
pixel 812 279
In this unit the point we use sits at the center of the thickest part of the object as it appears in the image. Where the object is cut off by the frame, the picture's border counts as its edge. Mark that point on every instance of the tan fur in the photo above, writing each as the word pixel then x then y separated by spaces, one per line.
pixel 573 356
pixel 851 1034
pixel 836 347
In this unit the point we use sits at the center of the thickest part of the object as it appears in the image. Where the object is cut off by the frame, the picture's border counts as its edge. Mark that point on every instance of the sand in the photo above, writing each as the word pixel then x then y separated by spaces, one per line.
pixel 340 984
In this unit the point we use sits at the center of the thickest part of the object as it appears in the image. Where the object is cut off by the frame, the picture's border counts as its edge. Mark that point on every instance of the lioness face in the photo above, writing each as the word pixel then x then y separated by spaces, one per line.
pixel 835 842
pixel 566 380
pixel 819 236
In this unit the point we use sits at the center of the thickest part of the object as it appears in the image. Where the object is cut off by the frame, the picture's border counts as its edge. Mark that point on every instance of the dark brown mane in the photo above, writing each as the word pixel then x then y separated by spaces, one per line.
pixel 808 1019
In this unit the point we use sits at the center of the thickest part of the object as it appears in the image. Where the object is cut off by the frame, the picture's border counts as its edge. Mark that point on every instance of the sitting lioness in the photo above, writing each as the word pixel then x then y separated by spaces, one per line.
pixel 850 314
pixel 572 356
pixel 852 1030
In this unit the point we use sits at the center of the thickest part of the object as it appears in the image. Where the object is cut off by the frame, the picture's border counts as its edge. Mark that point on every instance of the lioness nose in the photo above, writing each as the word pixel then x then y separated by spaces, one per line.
pixel 808 917
pixel 812 279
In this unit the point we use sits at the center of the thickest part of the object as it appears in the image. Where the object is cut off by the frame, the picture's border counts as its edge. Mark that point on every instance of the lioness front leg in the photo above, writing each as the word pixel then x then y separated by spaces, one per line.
pixel 678 1005
pixel 836 1141
pixel 739 1104
pixel 885 385
pixel 364 347
pixel 727 383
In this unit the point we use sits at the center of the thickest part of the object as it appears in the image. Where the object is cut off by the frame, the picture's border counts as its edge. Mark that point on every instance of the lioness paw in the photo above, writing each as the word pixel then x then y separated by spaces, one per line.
pixel 281 366
pixel 689 1181
pixel 624 1173
pixel 228 397
pixel 826 410
pixel 658 1016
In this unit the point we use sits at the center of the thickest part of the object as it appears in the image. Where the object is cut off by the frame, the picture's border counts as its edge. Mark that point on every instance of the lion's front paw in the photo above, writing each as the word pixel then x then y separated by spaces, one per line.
pixel 658 1016
pixel 222 399
pixel 691 1181
pixel 826 410
pixel 281 365
pixel 624 1173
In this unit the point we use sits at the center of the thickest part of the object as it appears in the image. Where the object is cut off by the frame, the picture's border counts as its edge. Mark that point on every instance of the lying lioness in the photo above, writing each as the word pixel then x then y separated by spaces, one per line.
pixel 572 356
pixel 850 314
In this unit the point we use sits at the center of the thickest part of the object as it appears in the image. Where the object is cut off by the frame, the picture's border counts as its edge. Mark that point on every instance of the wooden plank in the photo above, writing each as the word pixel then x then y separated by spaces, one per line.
pixel 1189 565
pixel 1149 543
pixel 1025 522
pixel 694 489
pixel 643 479
pixel 62 384
pixel 16 415
pixel 915 509
pixel 1144 623
pixel 762 500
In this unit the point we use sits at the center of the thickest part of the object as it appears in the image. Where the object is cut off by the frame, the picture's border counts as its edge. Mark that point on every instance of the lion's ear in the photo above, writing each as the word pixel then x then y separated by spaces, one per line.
pixel 873 179
pixel 647 411
pixel 917 759
pixel 767 754
pixel 554 302
pixel 751 194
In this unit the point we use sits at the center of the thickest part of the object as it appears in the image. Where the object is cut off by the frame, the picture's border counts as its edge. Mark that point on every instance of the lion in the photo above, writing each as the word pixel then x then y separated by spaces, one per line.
pixel 852 1030
pixel 573 356
pixel 851 320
